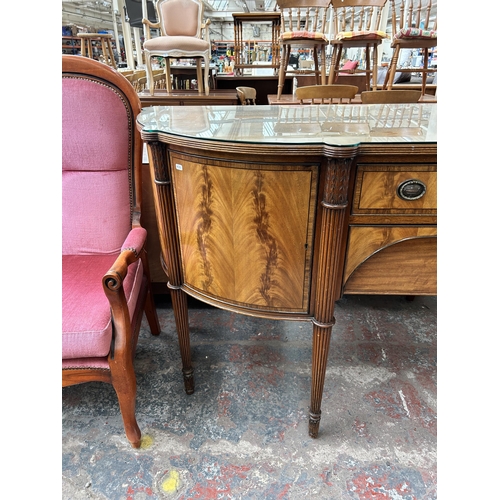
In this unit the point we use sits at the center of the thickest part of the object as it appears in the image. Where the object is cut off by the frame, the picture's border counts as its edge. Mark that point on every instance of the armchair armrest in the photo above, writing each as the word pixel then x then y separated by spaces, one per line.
pixel 205 26
pixel 112 282
pixel 135 240
pixel 148 24
pixel 130 252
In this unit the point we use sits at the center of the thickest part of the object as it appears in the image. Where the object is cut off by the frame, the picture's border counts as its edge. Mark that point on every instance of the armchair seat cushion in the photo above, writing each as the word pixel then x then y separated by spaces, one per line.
pixel 182 43
pixel 86 316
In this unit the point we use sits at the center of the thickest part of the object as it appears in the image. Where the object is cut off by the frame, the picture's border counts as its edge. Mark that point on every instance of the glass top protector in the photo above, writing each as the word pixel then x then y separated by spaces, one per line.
pixel 336 125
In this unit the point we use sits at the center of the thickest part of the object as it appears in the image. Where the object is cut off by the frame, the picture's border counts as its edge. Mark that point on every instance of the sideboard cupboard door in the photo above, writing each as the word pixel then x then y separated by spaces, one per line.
pixel 391 260
pixel 246 233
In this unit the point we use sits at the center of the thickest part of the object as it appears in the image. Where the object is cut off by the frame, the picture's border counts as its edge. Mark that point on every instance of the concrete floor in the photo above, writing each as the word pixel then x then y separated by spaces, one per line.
pixel 243 434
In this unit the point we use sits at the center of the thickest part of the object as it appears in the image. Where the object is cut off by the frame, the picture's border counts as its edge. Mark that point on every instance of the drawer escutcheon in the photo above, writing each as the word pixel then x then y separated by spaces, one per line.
pixel 412 189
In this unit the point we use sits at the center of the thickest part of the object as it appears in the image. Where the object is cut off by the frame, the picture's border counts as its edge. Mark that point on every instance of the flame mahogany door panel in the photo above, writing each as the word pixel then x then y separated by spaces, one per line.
pixel 246 234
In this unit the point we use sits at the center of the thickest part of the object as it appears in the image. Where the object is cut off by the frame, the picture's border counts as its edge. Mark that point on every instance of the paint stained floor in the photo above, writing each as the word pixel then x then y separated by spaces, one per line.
pixel 243 434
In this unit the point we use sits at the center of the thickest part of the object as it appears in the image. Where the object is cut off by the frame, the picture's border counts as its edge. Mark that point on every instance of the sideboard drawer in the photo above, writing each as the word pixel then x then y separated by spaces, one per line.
pixel 395 189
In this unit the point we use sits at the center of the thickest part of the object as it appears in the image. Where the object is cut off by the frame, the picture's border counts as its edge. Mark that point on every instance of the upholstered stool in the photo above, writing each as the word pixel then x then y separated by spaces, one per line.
pixel 104 39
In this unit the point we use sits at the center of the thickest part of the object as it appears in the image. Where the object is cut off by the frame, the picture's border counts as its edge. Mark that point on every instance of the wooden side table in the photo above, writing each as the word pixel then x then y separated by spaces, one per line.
pixel 255 17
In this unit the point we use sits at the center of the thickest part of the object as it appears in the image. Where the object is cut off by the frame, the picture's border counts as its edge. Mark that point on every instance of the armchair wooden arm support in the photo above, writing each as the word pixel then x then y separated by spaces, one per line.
pixel 149 25
pixel 204 26
pixel 113 279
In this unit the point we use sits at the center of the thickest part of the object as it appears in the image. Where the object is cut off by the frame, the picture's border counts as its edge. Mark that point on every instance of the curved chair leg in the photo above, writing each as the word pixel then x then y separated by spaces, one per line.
pixel 206 75
pixel 199 75
pixel 168 79
pixel 149 73
pixel 124 383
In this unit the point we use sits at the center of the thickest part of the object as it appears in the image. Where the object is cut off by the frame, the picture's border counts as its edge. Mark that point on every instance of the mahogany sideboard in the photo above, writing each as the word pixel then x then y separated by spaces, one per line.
pixel 277 211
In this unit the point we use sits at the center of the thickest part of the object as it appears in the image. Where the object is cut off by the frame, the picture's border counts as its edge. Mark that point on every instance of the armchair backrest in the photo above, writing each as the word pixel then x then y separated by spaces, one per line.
pixel 180 17
pixel 101 157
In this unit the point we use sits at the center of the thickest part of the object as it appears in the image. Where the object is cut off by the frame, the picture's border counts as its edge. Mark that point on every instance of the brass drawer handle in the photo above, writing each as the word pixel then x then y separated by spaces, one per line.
pixel 412 189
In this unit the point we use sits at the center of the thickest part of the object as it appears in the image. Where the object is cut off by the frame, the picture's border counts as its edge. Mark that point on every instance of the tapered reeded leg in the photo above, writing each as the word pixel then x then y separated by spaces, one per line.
pixel 321 344
pixel 334 205
pixel 179 303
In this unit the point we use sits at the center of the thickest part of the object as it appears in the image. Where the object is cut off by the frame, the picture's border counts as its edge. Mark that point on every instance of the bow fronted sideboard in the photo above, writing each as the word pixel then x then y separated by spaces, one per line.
pixel 277 211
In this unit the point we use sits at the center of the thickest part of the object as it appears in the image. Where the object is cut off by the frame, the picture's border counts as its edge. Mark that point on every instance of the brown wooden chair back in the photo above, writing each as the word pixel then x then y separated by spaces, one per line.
pixel 246 95
pixel 390 96
pixel 326 94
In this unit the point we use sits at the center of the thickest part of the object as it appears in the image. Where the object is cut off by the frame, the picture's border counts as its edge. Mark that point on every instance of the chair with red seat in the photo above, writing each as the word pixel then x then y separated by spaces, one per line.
pixel 416 31
pixel 357 24
pixel 303 25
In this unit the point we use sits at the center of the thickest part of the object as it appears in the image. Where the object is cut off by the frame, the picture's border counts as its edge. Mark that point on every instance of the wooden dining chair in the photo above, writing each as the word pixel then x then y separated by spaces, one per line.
pixel 246 95
pixel 159 79
pixel 136 78
pixel 326 94
pixel 415 30
pixel 357 24
pixel 390 96
pixel 303 25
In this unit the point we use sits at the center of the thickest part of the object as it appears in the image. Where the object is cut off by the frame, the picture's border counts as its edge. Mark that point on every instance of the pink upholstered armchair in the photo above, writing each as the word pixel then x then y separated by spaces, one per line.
pixel 105 275
pixel 184 35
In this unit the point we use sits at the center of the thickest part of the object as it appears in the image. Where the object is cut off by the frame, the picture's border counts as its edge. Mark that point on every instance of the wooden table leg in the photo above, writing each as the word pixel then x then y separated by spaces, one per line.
pixel 170 261
pixel 334 207
pixel 179 303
